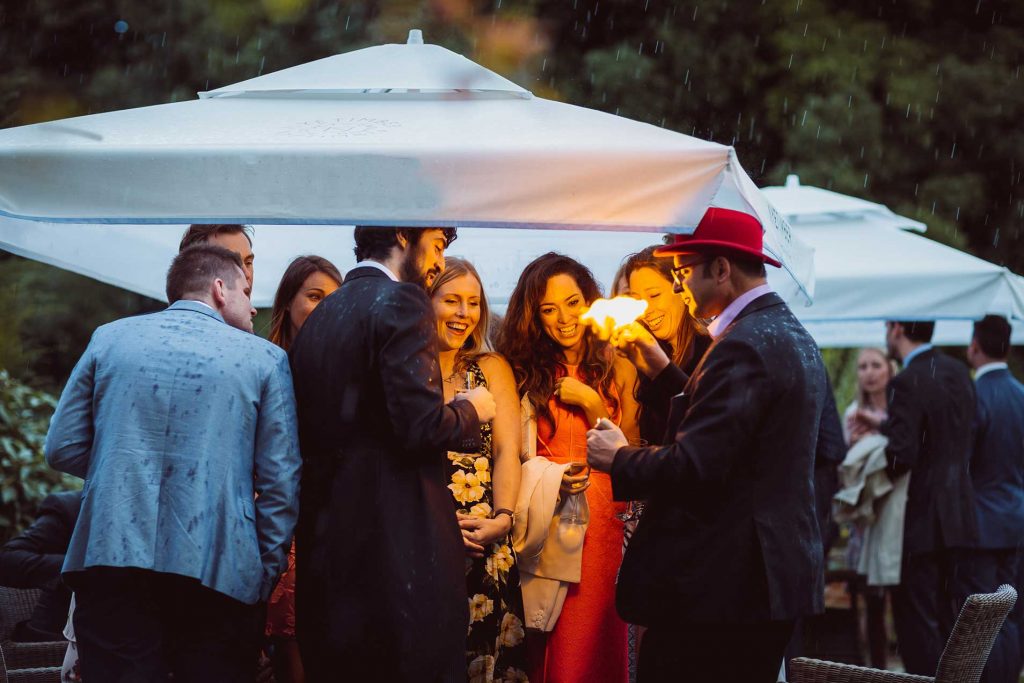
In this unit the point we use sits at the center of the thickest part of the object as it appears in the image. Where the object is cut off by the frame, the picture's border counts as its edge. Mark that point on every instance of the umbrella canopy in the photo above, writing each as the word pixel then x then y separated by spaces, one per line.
pixel 859 285
pixel 872 267
pixel 405 135
pixel 136 257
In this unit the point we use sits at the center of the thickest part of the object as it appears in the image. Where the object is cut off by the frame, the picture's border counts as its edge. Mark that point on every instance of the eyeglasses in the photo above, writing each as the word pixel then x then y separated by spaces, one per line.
pixel 680 273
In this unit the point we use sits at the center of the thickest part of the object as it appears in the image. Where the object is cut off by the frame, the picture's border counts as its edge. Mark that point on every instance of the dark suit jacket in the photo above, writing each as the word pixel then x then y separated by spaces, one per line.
pixel 830 454
pixel 730 532
pixel 381 588
pixel 655 395
pixel 931 408
pixel 997 461
pixel 34 558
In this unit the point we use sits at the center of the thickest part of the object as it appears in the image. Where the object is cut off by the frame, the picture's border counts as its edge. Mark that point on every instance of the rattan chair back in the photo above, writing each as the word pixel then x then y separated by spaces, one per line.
pixel 16 605
pixel 975 631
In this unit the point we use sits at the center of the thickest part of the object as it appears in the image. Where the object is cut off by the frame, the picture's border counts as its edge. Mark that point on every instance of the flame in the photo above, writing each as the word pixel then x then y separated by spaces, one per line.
pixel 610 314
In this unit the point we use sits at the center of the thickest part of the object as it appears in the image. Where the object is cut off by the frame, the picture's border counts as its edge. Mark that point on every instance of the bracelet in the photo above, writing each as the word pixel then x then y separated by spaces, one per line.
pixel 504 511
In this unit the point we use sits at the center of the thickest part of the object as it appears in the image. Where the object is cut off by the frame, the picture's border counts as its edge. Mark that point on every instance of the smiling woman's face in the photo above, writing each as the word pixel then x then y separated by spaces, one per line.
pixel 664 307
pixel 560 309
pixel 457 309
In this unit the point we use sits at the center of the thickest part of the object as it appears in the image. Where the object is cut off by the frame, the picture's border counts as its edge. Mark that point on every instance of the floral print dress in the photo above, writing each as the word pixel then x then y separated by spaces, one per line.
pixel 495 650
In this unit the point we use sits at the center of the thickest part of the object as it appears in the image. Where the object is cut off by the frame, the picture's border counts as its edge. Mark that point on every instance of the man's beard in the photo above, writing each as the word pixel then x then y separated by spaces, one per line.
pixel 411 270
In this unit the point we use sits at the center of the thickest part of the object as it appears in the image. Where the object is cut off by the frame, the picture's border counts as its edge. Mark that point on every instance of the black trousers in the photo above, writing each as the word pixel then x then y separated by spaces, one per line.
pixel 137 626
pixel 987 570
pixel 714 653
pixel 925 605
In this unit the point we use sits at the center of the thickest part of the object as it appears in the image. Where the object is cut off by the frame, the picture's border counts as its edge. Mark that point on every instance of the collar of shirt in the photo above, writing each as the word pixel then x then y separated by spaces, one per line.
pixel 732 310
pixel 915 353
pixel 379 266
pixel 989 367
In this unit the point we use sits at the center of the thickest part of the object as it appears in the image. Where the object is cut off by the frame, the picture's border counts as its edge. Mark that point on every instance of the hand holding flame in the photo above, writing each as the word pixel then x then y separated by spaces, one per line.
pixel 605 316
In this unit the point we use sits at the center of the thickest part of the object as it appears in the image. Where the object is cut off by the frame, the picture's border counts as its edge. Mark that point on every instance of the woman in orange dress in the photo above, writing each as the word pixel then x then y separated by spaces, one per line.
pixel 572 380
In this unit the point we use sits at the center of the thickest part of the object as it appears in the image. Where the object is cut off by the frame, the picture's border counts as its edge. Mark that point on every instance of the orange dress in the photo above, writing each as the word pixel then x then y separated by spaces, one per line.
pixel 589 639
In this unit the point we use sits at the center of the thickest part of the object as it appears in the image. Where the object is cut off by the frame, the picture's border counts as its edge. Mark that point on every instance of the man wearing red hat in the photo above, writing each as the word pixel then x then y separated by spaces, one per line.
pixel 728 553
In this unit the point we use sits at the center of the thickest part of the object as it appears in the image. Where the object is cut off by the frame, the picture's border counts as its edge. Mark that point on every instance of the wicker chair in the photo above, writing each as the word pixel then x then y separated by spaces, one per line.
pixel 962 661
pixel 24 662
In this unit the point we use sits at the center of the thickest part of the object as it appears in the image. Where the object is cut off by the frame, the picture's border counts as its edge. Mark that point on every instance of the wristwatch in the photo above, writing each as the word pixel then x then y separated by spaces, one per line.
pixel 504 511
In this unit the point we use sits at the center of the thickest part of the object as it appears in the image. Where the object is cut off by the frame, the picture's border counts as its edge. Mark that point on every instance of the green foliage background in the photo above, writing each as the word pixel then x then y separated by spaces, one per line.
pixel 25 479
pixel 916 104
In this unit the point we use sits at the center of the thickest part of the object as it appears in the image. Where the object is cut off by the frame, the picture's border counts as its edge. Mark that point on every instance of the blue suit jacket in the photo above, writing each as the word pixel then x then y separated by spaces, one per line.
pixel 176 421
pixel 997 461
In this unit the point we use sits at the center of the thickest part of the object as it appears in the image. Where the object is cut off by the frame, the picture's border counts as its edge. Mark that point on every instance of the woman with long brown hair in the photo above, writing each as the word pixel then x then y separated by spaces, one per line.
pixel 572 379
pixel 667 319
pixel 484 485
pixel 306 282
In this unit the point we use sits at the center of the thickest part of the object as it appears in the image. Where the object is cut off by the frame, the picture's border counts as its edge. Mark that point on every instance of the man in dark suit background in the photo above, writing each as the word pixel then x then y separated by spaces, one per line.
pixel 931 408
pixel 997 472
pixel 33 559
pixel 728 554
pixel 380 563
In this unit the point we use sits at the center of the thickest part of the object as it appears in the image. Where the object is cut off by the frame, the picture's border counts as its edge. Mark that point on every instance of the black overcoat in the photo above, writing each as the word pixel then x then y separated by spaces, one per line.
pixel 730 532
pixel 381 590
pixel 931 412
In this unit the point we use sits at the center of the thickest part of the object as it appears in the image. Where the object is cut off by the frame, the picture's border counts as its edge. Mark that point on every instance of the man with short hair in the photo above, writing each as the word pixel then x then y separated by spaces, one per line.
pixel 997 472
pixel 380 562
pixel 232 236
pixel 727 555
pixel 177 420
pixel 931 408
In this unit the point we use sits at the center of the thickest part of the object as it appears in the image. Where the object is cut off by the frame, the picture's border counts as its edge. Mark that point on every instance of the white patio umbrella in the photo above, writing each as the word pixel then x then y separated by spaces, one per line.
pixel 403 135
pixel 872 267
pixel 136 257
pixel 868 270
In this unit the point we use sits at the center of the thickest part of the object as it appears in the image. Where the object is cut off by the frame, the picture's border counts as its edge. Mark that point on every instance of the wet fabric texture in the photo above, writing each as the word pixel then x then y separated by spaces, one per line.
pixel 176 421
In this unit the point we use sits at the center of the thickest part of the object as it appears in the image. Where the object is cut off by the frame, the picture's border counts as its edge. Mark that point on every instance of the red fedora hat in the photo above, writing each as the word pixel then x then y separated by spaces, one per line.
pixel 722 230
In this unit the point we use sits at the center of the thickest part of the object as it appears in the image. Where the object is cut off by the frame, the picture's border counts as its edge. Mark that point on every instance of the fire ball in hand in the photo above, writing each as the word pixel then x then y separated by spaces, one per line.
pixel 608 315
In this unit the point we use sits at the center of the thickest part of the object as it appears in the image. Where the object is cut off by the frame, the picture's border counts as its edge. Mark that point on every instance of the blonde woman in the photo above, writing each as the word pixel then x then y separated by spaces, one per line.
pixel 484 485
